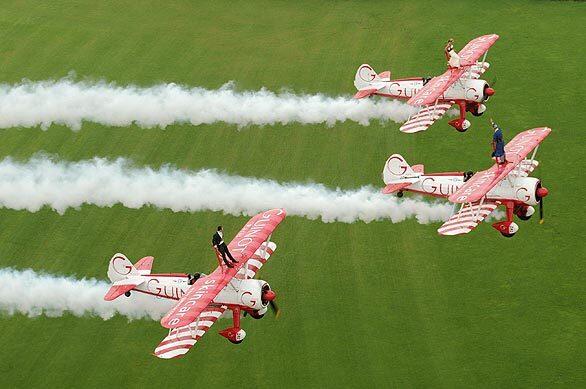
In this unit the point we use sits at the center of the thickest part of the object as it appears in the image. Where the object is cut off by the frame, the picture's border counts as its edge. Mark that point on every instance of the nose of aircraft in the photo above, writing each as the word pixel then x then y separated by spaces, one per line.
pixel 269 295
pixel 542 192
pixel 489 91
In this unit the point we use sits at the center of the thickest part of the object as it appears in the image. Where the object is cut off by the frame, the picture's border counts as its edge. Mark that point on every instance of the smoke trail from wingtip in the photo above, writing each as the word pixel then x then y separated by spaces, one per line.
pixel 33 294
pixel 70 103
pixel 62 185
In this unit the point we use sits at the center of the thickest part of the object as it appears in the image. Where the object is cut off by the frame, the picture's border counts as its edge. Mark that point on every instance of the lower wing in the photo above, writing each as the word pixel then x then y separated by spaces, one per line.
pixel 425 118
pixel 259 258
pixel 469 216
pixel 180 340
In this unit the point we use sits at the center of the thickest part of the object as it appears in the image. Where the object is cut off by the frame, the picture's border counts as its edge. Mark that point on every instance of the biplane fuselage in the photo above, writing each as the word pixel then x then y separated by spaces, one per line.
pixel 245 294
pixel 467 90
pixel 517 189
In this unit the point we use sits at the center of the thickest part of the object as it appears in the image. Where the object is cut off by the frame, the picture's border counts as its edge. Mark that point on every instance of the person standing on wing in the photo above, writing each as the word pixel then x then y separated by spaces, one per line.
pixel 498 144
pixel 452 57
pixel 218 243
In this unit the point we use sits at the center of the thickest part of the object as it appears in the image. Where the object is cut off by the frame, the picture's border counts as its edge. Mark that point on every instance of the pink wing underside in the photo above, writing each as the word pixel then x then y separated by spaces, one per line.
pixel 242 247
pixel 516 150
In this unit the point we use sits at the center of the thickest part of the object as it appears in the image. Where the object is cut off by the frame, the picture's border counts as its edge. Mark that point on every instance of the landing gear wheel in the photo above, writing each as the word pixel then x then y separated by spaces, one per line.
pixel 507 235
pixel 464 126
pixel 525 218
pixel 400 193
pixel 127 294
pixel 256 315
pixel 236 341
pixel 460 124
pixel 474 111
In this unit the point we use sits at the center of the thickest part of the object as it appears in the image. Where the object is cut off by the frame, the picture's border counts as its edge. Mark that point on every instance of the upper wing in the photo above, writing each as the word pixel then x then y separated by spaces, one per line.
pixel 467 218
pixel 259 258
pixel 476 187
pixel 476 48
pixel 425 118
pixel 522 144
pixel 242 247
pixel 180 340
pixel 436 87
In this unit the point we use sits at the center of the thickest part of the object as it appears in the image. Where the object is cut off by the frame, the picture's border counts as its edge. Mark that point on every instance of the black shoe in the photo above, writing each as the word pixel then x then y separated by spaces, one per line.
pixel 234 261
pixel 229 265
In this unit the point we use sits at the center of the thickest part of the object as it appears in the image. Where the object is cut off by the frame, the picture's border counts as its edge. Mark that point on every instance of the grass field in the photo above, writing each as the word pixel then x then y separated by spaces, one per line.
pixel 364 305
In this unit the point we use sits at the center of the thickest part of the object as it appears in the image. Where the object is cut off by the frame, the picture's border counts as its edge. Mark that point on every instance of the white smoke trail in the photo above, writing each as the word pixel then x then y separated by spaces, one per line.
pixel 69 103
pixel 34 294
pixel 62 185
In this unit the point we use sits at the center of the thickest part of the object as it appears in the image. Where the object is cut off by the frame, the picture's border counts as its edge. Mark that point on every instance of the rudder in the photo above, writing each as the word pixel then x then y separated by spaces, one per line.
pixel 121 268
pixel 397 170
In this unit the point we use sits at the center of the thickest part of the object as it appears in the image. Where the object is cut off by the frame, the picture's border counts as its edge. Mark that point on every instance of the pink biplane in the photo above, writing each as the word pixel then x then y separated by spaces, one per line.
pixel 202 299
pixel 434 96
pixel 481 193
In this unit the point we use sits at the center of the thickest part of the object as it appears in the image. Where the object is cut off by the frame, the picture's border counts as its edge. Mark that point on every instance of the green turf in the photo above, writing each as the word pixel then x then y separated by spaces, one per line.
pixel 364 305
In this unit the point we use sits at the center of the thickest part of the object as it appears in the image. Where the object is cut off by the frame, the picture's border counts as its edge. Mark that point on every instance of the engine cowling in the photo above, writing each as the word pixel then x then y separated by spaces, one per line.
pixel 247 293
pixel 523 191
pixel 470 90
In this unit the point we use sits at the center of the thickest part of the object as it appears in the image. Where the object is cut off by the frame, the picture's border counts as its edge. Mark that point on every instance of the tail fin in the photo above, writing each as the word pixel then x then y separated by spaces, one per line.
pixel 121 268
pixel 124 275
pixel 397 174
pixel 367 81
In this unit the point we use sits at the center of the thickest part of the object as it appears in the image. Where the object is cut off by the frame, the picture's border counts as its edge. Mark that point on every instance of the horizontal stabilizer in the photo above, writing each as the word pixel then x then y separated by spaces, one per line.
pixel 365 93
pixel 392 188
pixel 121 287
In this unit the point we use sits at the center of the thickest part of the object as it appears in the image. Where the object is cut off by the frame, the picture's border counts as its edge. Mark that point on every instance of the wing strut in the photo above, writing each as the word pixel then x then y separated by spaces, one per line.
pixel 479 207
pixel 533 155
pixel 484 59
pixel 461 207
